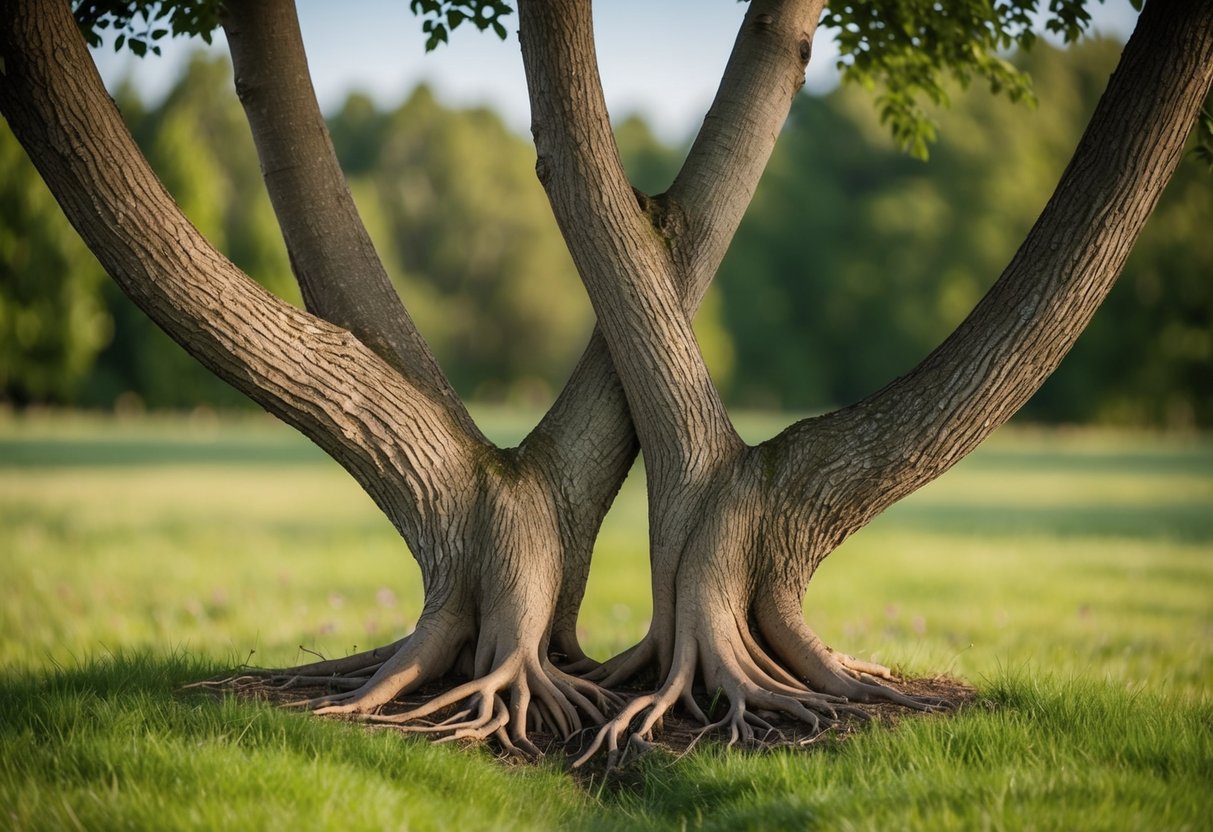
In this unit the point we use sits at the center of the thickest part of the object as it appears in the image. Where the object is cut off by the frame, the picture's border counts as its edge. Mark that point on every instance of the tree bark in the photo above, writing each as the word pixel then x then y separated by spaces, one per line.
pixel 341 275
pixel 586 442
pixel 483 527
pixel 742 530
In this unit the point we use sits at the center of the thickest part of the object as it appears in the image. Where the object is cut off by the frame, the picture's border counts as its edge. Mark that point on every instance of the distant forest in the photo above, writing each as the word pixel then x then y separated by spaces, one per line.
pixel 855 260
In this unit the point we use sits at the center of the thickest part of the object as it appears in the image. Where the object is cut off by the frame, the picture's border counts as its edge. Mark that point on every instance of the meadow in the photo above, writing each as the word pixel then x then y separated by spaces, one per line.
pixel 1067 575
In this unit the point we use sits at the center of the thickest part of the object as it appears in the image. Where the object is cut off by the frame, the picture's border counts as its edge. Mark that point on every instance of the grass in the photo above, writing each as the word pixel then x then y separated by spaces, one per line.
pixel 1069 575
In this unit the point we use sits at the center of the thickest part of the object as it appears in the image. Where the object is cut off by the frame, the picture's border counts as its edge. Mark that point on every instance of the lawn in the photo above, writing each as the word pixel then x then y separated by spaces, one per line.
pixel 1067 575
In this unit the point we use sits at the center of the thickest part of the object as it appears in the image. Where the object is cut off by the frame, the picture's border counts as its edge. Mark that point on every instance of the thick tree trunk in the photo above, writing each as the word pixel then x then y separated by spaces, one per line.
pixel 677 238
pixel 737 532
pixel 340 274
pixel 482 523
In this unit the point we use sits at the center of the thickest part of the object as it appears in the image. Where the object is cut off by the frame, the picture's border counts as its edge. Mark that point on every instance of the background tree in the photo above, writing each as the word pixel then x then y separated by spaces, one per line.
pixel 503 536
pixel 903 250
pixel 52 321
pixel 837 185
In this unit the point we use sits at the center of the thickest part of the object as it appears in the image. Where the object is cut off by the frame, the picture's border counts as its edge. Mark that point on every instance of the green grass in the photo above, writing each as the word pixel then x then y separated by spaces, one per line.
pixel 1068 575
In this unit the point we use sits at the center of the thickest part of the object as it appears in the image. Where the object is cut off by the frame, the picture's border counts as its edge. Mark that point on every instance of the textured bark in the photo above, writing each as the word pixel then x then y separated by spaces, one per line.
pixel 341 276
pixel 739 531
pixel 683 234
pixel 503 536
pixel 586 442
pixel 482 525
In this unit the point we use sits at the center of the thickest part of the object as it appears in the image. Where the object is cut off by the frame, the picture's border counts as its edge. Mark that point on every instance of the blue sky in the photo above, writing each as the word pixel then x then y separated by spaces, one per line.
pixel 662 59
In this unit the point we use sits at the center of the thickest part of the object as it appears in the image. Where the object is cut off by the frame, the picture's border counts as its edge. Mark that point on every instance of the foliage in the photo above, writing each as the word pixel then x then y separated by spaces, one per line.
pixel 52 320
pixel 441 17
pixel 127 542
pixel 141 23
pixel 846 235
pixel 854 262
pixel 910 49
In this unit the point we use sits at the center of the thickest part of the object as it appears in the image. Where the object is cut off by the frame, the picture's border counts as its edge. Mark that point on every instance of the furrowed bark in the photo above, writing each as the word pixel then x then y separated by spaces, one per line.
pixel 341 275
pixel 381 427
pixel 586 441
pixel 867 456
pixel 482 527
pixel 621 257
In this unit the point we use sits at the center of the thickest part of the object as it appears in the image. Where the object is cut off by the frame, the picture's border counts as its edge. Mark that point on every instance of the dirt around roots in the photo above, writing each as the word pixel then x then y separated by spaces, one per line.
pixel 678 733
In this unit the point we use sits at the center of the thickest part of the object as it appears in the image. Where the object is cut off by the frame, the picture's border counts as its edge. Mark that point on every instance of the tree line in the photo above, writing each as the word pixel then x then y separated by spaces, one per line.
pixel 847 234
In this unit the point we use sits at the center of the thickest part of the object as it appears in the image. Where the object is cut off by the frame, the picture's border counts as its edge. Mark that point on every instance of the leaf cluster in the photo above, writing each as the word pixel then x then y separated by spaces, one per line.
pixel 908 50
pixel 1203 150
pixel 441 17
pixel 140 24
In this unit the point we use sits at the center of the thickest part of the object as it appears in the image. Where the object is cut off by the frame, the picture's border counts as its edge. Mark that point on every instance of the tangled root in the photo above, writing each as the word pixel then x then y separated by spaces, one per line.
pixel 799 679
pixel 520 695
pixel 513 692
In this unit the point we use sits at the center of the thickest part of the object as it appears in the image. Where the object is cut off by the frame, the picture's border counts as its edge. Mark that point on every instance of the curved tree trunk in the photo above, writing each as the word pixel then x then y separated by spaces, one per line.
pixel 737 532
pixel 503 536
pixel 483 524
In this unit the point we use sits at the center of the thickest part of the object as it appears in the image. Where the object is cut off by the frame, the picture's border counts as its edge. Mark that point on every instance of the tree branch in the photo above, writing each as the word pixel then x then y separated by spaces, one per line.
pixel 589 421
pixel 342 277
pixel 586 442
pixel 920 425
pixel 622 259
pixel 397 442
pixel 718 179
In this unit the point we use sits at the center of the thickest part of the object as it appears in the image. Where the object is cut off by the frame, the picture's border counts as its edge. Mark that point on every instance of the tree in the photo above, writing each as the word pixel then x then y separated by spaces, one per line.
pixel 51 320
pixel 904 250
pixel 503 536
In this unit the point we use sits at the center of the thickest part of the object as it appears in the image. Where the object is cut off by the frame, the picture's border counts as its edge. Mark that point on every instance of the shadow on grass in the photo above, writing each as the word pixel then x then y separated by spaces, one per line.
pixel 1034 752
pixel 123 724
pixel 116 742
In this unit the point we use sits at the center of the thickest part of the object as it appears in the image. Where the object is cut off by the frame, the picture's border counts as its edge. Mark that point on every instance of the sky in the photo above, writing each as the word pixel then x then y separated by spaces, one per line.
pixel 659 58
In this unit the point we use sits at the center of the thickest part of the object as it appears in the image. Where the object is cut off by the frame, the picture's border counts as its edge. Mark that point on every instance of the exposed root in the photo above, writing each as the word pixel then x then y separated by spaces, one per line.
pixel 521 694
pixel 513 692
pixel 756 690
pixel 859 668
pixel 358 664
pixel 768 675
pixel 626 665
pixel 828 671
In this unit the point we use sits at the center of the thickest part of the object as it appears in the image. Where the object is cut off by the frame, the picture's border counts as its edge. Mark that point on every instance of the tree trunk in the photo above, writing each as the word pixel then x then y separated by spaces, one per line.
pixel 503 536
pixel 484 524
pixel 737 532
